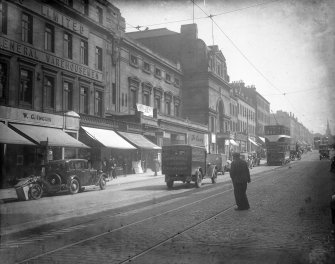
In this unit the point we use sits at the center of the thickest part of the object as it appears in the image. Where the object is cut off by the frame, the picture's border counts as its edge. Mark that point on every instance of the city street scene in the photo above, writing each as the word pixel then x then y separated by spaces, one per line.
pixel 191 131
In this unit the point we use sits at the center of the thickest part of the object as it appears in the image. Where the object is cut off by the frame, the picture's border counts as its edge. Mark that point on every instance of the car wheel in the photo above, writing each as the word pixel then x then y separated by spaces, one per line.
pixel 198 179
pixel 35 191
pixel 102 183
pixel 74 186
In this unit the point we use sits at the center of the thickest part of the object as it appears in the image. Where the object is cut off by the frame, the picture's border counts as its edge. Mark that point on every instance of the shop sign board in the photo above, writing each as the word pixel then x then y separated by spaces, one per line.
pixel 196 139
pixel 44 57
pixel 146 110
pixel 37 118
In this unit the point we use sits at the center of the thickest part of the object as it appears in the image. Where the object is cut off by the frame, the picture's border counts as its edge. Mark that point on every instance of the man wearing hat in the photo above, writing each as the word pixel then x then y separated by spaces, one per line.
pixel 240 176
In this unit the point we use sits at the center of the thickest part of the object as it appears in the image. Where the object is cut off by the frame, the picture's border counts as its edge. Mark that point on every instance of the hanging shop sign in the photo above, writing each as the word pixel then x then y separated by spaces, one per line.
pixel 146 110
pixel 32 53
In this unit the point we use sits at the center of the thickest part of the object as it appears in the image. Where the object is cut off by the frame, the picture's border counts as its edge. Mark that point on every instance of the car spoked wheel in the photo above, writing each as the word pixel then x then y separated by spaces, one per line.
pixel 35 191
pixel 74 186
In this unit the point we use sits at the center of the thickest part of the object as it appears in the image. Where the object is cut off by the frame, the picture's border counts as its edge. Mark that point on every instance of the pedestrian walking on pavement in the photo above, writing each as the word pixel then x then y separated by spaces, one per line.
pixel 240 176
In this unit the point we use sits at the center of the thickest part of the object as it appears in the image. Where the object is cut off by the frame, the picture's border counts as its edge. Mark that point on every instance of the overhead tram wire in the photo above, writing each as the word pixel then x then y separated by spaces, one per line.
pixel 197 18
pixel 245 57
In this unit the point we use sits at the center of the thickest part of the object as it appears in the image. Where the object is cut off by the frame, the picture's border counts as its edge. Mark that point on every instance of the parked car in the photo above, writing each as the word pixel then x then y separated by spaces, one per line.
pixel 71 175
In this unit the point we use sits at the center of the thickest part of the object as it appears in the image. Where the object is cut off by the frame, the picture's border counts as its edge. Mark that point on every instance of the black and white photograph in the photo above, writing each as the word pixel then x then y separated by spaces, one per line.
pixel 167 131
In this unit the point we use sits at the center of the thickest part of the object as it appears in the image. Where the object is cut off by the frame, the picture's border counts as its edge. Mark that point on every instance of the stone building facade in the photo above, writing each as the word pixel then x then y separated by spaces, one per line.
pixel 205 80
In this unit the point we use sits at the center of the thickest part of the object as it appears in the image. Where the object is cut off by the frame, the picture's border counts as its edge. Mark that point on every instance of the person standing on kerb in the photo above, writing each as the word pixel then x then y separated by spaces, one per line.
pixel 240 176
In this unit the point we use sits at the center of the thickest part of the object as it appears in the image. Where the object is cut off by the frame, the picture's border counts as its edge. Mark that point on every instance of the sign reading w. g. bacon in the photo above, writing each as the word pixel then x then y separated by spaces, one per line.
pixel 32 53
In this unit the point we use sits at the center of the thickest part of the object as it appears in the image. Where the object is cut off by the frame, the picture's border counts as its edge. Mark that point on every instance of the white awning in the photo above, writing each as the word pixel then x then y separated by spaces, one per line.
pixel 55 137
pixel 108 138
pixel 233 142
pixel 262 139
pixel 9 136
pixel 273 138
pixel 253 142
pixel 139 140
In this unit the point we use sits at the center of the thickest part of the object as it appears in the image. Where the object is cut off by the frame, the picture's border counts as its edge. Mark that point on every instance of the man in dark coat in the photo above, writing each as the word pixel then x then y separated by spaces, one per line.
pixel 240 176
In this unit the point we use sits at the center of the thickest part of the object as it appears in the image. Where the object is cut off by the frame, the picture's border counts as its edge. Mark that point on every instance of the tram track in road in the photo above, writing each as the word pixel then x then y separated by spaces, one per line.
pixel 158 215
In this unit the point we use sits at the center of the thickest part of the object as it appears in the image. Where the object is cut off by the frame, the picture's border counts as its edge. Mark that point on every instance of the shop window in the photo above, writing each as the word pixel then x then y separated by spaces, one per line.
pixel 67 48
pixel 98 58
pixel 3 80
pixel 99 14
pixel 26 87
pixel 27 28
pixel 133 98
pixel 67 96
pixel 49 38
pixel 83 108
pixel 83 52
pixel 49 91
pixel 98 103
pixel 4 18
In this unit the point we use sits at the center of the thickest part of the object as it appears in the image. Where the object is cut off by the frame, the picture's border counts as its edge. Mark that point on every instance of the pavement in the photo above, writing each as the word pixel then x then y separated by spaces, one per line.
pixel 9 194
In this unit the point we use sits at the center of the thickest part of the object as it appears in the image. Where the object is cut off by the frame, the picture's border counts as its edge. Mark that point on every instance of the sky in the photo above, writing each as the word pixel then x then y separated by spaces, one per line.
pixel 286 48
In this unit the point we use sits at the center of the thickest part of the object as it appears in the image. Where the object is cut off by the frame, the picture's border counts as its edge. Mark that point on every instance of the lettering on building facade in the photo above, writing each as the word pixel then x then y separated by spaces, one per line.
pixel 44 57
pixel 64 21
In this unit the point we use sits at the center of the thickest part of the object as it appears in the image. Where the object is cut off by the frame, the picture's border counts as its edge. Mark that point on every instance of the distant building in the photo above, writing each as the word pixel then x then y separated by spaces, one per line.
pixel 205 91
pixel 299 133
pixel 246 118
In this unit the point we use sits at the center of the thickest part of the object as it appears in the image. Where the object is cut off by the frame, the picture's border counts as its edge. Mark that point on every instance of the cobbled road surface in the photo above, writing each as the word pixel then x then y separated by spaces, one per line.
pixel 289 222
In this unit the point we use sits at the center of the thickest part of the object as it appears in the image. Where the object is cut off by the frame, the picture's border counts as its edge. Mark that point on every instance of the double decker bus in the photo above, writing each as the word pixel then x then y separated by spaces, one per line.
pixel 277 140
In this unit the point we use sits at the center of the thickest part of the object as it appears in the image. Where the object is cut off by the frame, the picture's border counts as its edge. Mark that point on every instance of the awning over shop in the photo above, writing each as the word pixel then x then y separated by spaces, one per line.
pixel 9 136
pixel 139 140
pixel 233 142
pixel 262 139
pixel 108 138
pixel 273 138
pixel 55 137
pixel 253 142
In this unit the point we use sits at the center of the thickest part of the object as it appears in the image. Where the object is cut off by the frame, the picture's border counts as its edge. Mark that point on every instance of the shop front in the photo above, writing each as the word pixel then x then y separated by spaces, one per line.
pixel 242 141
pixel 31 138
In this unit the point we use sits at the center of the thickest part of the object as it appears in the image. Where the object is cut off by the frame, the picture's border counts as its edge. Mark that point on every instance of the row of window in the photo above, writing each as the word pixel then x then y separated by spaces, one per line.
pixel 84 6
pixel 49 40
pixel 245 112
pixel 146 67
pixel 26 91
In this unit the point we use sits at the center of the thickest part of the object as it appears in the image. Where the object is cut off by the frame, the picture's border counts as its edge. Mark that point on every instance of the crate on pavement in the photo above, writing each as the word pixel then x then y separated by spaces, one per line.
pixel 22 189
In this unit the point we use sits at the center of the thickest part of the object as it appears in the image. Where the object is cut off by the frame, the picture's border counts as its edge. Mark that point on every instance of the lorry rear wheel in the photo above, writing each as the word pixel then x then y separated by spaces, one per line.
pixel 169 184
pixel 198 179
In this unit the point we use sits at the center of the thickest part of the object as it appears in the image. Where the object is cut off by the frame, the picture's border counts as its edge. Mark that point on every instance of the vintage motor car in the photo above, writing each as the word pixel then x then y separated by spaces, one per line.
pixel 71 175
pixel 186 163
